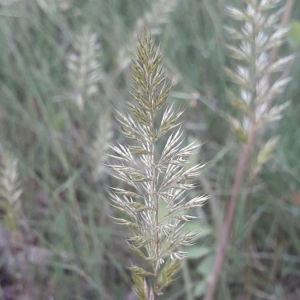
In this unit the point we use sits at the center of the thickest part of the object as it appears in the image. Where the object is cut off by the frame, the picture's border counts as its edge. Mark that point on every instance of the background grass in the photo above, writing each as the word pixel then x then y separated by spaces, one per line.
pixel 66 210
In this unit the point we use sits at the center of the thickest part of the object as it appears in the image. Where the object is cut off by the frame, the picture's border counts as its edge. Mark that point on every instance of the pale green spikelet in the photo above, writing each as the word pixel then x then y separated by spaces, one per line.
pixel 84 68
pixel 10 192
pixel 154 19
pixel 8 2
pixel 48 6
pixel 100 145
pixel 158 15
pixel 265 154
pixel 51 7
pixel 159 178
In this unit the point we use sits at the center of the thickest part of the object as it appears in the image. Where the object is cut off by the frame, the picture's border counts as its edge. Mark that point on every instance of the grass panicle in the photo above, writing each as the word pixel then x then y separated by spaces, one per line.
pixel 255 101
pixel 156 178
pixel 62 166
pixel 84 68
pixel 10 192
pixel 100 145
pixel 154 19
pixel 254 72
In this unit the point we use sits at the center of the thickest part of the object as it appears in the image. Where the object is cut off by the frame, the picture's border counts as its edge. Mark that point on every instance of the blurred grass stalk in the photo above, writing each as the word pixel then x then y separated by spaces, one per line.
pixel 255 101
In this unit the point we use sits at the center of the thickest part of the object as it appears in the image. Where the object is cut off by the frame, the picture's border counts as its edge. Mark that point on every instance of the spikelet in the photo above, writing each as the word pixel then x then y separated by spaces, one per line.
pixel 154 179
pixel 154 19
pixel 84 68
pixel 49 7
pixel 10 192
pixel 100 146
pixel 257 36
pixel 157 16
pixel 8 2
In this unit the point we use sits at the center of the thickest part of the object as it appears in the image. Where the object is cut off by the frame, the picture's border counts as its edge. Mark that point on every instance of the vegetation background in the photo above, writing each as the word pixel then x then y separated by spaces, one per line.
pixel 66 246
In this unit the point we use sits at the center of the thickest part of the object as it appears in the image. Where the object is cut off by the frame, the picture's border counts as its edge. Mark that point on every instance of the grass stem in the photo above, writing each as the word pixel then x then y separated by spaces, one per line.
pixel 221 254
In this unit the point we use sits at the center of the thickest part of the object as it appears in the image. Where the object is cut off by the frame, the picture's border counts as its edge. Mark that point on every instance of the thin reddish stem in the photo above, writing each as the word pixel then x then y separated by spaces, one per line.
pixel 221 254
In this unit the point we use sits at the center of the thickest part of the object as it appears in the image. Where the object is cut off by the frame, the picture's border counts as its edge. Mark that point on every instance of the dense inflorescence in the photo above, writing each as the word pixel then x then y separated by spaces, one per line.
pixel 84 68
pixel 154 178
pixel 258 35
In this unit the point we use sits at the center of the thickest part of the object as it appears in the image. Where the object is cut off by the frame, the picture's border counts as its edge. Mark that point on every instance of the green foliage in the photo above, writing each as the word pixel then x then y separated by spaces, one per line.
pixel 294 33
